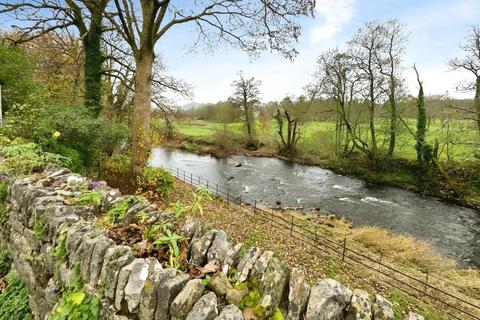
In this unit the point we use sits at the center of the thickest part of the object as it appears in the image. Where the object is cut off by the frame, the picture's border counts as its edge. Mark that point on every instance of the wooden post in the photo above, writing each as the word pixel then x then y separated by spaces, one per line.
pixel 344 248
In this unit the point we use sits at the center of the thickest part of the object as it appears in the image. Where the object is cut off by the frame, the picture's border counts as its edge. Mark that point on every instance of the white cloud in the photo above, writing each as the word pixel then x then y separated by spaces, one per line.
pixel 334 14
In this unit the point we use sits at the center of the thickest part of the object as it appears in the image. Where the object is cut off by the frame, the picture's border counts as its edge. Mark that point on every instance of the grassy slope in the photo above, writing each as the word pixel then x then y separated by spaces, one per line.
pixel 403 252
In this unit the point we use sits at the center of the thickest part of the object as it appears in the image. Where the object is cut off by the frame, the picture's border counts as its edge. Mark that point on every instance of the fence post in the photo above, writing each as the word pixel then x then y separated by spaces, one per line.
pixel 255 210
pixel 426 283
pixel 271 220
pixel 199 184
pixel 228 195
pixel 344 248
pixel 379 265
pixel 291 227
pixel 184 178
pixel 208 188
pixel 178 175
pixel 216 188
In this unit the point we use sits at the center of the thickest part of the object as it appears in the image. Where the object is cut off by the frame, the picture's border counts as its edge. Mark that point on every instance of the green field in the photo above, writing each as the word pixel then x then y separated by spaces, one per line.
pixel 455 138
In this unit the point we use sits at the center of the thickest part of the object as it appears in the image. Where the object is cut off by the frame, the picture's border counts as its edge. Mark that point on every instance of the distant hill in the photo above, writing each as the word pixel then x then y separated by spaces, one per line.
pixel 191 105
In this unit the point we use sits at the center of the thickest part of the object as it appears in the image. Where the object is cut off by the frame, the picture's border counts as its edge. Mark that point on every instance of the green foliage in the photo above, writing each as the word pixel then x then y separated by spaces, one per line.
pixel 92 198
pixel 171 239
pixel 4 214
pixel 156 179
pixel 177 209
pixel 39 227
pixel 3 189
pixel 117 213
pixel 17 74
pixel 76 304
pixel 21 158
pixel 278 315
pixel 206 281
pixel 14 300
pixel 156 230
pixel 5 262
pixel 61 248
pixel 199 196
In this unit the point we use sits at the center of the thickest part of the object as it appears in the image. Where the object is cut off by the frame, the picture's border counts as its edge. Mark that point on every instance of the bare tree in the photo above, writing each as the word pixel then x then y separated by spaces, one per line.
pixel 39 17
pixel 252 26
pixel 338 80
pixel 389 61
pixel 291 116
pixel 245 95
pixel 364 49
pixel 471 63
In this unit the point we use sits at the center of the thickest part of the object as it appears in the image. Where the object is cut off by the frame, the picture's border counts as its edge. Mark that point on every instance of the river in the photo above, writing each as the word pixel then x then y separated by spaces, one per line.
pixel 454 230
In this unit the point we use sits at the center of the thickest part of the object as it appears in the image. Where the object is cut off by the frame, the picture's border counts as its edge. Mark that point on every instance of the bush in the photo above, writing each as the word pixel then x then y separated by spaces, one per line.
pixel 157 180
pixel 21 158
pixel 14 300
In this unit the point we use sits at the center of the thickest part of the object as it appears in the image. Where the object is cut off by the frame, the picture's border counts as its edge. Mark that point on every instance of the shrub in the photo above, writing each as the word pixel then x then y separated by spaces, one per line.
pixel 156 179
pixel 5 262
pixel 21 158
pixel 14 300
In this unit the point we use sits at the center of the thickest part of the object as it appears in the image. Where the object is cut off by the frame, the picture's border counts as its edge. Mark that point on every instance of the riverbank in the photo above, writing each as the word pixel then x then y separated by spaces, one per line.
pixel 404 253
pixel 392 172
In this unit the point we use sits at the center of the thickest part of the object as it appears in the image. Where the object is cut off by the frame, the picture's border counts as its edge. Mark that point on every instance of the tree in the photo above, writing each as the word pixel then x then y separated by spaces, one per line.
pixel 245 95
pixel 389 62
pixel 291 116
pixel 365 47
pixel 252 26
pixel 471 63
pixel 424 151
pixel 39 17
pixel 337 79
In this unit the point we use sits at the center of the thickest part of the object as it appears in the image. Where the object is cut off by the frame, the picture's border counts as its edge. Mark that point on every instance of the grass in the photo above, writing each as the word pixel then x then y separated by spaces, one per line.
pixel 405 253
pixel 459 134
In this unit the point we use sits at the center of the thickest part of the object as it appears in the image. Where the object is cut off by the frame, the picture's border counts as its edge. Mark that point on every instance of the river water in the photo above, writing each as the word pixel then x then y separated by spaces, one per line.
pixel 452 229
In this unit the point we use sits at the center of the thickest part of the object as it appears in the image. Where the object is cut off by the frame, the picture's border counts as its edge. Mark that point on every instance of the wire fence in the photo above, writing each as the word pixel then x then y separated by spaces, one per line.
pixel 418 286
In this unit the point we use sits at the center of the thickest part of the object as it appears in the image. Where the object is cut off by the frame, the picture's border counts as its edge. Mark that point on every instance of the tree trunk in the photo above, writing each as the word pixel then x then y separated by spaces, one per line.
pixel 477 101
pixel 393 126
pixel 141 111
pixel 93 65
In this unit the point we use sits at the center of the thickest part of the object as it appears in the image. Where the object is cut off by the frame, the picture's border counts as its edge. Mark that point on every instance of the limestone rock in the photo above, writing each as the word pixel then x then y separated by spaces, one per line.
pixel 235 296
pixel 328 300
pixel 135 283
pixel 274 285
pixel 230 312
pixel 192 229
pixel 414 316
pixel 219 284
pixel 219 248
pixel 261 265
pixel 382 309
pixel 148 297
pixel 96 260
pixel 122 282
pixel 199 249
pixel 360 307
pixel 246 264
pixel 232 258
pixel 205 308
pixel 116 258
pixel 184 301
pixel 169 287
pixel 298 295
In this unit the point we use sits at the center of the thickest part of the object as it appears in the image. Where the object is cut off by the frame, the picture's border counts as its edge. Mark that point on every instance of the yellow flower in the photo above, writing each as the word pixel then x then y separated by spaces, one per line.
pixel 56 134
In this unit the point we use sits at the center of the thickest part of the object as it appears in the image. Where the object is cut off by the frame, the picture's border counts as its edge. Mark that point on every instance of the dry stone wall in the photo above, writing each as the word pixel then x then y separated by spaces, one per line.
pixel 129 287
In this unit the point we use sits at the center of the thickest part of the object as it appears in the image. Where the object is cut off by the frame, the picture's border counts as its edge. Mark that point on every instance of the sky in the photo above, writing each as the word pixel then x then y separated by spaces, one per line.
pixel 437 28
